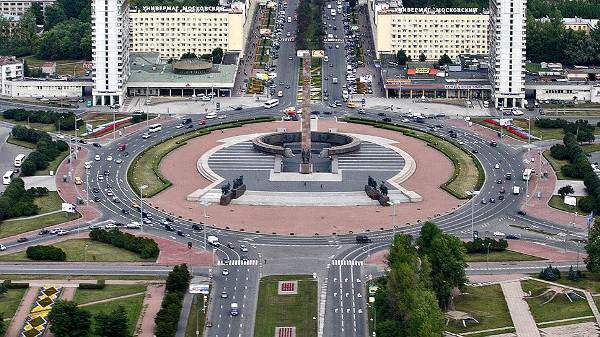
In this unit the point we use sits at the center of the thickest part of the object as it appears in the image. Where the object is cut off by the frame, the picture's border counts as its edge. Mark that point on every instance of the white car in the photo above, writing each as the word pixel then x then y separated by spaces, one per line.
pixel 110 226
pixel 497 166
pixel 2 247
pixel 100 178
pixel 60 136
pixel 178 126
pixel 211 115
pixel 88 165
pixel 225 272
pixel 243 248
pixel 97 157
pixel 134 225
pixel 119 161
pixel 205 98
pixel 145 136
pixel 62 232
pixel 222 116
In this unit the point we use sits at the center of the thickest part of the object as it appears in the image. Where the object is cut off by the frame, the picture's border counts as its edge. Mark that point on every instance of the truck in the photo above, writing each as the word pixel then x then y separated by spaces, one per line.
pixel 122 147
pixel 335 80
pixel 345 95
pixel 235 309
pixel 333 13
pixel 516 190
pixel 213 240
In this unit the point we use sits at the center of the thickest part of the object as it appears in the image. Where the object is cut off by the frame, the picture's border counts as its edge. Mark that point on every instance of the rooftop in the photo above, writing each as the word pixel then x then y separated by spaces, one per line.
pixel 5 60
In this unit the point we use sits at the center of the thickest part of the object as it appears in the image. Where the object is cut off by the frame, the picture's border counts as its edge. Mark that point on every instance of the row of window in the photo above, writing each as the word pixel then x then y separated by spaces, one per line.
pixel 162 18
pixel 558 91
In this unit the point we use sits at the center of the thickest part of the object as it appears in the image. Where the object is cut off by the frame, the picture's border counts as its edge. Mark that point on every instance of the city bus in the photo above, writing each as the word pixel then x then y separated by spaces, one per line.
pixel 271 103
pixel 7 177
pixel 527 174
pixel 154 128
pixel 19 160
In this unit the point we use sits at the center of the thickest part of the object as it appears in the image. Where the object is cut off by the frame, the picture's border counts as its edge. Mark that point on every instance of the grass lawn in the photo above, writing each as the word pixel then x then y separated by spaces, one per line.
pixel 133 306
pixel 38 126
pixel 542 133
pixel 63 67
pixel 49 203
pixel 17 277
pixel 589 148
pixel 487 305
pixel 21 143
pixel 76 252
pixel 196 314
pixel 9 302
pixel 559 308
pixel 557 202
pixel 288 310
pixel 505 256
pixel 53 165
pixel 533 67
pixel 590 281
pixel 556 165
pixel 16 226
pixel 83 296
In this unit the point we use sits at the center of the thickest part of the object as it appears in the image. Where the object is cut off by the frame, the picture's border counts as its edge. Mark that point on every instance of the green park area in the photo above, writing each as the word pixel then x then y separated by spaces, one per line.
pixel 145 168
pixel 545 309
pixel 501 256
pixel 63 67
pixel 132 305
pixel 556 201
pixel 85 250
pixel 556 165
pixel 85 296
pixel 9 302
pixel 487 305
pixel 22 225
pixel 197 317
pixel 275 310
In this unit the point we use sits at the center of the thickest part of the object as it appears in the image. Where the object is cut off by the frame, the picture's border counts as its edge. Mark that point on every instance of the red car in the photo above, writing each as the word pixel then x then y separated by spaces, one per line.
pixel 202 122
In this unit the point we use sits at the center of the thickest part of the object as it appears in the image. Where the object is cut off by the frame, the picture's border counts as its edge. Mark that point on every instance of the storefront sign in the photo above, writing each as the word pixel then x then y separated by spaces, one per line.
pixel 429 10
pixel 421 70
pixel 463 87
pixel 182 9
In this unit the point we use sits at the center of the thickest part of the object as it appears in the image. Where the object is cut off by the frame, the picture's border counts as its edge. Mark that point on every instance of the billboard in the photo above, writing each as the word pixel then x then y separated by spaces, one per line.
pixel 571 201
pixel 69 208
pixel 318 53
pixel 200 288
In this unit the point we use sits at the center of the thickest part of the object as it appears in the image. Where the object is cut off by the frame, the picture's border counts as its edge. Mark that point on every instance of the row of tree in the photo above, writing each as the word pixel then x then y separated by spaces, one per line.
pixel 46 149
pixel 69 320
pixel 481 246
pixel 62 121
pixel 216 56
pixel 550 41
pixel 16 201
pixel 402 58
pixel 45 253
pixel 167 317
pixel 582 129
pixel 421 279
pixel 310 25
pixel 145 247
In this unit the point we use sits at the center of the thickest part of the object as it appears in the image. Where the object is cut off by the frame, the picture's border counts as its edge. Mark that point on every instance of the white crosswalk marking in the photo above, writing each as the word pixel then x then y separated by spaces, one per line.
pixel 346 263
pixel 238 263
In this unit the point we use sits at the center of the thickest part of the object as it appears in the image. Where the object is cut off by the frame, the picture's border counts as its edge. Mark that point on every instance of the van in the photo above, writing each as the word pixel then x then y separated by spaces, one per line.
pixel 499 234
pixel 289 19
pixel 335 80
pixel 486 104
pixel 234 311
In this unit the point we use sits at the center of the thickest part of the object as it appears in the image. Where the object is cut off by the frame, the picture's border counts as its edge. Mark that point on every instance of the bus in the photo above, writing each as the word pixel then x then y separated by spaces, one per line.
pixel 271 103
pixel 527 174
pixel 19 160
pixel 7 177
pixel 154 128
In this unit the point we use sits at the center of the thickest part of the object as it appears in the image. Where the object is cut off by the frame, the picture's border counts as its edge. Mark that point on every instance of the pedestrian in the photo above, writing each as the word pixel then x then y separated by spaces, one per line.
pixel 321 186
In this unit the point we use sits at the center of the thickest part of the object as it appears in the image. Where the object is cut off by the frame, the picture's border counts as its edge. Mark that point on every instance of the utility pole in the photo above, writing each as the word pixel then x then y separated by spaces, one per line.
pixel 142 187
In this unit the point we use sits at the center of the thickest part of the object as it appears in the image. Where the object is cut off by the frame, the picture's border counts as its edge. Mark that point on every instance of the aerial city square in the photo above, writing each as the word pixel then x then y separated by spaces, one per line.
pixel 299 168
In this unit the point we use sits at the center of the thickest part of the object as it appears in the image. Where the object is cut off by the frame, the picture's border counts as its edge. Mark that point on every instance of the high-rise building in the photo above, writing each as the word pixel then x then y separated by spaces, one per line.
pixel 110 50
pixel 18 7
pixel 507 52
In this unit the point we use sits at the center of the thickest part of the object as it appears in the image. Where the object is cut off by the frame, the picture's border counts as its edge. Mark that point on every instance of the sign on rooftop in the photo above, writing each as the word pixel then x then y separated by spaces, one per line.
pixel 433 10
pixel 182 9
pixel 201 288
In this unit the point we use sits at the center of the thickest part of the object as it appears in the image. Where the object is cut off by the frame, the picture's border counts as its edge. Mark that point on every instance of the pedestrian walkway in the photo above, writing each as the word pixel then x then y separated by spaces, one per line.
pixel 346 263
pixel 150 307
pixel 238 263
pixel 185 314
pixel 523 321
pixel 18 320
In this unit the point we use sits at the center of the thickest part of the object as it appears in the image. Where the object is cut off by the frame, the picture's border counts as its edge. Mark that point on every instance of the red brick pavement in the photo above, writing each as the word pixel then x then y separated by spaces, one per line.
pixel 150 307
pixel 539 207
pixel 180 168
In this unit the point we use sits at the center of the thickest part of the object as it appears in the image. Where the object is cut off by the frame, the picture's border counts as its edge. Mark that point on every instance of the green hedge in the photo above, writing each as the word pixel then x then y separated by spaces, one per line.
pixel 167 318
pixel 186 136
pixel 10 285
pixel 94 286
pixel 46 253
pixel 145 247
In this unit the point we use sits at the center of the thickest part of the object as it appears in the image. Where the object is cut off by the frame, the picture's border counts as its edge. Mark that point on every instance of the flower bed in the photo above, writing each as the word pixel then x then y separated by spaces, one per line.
pixel 37 321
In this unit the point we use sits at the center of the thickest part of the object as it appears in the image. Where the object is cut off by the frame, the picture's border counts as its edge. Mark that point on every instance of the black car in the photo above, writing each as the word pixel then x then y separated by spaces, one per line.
pixel 387 120
pixel 22 239
pixel 237 108
pixel 327 112
pixel 169 228
pixel 169 219
pixel 180 233
pixel 96 199
pixel 475 151
pixel 96 190
pixel 315 112
pixel 197 227
pixel 96 145
pixel 499 181
pixel 381 114
pixel 106 172
pixel 522 213
pixel 363 239
pixel 493 144
pixel 230 245
pixel 125 154
pixel 119 224
pixel 44 232
pixel 186 121
pixel 191 126
pixel 82 141
pixel 512 237
pixel 125 211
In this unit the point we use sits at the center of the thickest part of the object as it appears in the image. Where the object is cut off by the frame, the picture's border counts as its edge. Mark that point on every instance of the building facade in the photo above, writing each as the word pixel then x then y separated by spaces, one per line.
pixel 10 69
pixel 45 88
pixel 18 7
pixel 173 31
pixel 110 50
pixel 507 52
pixel 433 32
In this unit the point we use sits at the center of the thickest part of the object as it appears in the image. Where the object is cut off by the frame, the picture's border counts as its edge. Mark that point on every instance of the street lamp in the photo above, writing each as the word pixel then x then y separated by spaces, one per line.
pixel 473 194
pixel 206 216
pixel 142 187
pixel 394 218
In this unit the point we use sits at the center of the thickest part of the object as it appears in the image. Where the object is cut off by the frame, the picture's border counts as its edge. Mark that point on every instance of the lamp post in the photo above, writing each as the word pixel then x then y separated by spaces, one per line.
pixel 394 218
pixel 142 187
pixel 206 216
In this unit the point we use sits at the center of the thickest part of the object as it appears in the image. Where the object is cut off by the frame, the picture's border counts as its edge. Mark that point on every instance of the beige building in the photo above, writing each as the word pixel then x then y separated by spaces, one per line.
pixel 431 31
pixel 173 31
pixel 578 24
pixel 18 7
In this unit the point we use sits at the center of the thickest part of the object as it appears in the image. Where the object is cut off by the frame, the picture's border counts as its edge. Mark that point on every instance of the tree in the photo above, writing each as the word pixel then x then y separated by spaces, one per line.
pixel 388 328
pixel 68 320
pixel 2 326
pixel 112 324
pixel 25 34
pixel 178 279
pixel 422 57
pixel 36 8
pixel 592 261
pixel 565 190
pixel 54 15
pixel 447 257
pixel 188 55
pixel 217 55
pixel 428 233
pixel 3 289
pixel 401 57
pixel 444 59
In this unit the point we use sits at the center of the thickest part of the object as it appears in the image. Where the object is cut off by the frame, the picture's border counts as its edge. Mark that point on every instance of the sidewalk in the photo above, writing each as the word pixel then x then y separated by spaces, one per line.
pixel 185 314
pixel 523 321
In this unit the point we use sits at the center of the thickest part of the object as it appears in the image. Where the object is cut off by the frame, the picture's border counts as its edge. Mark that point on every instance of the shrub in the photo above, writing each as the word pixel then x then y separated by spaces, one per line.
pixel 481 245
pixel 145 247
pixel 550 274
pixel 48 253
pixel 100 285
pixel 574 275
pixel 10 285
pixel 547 123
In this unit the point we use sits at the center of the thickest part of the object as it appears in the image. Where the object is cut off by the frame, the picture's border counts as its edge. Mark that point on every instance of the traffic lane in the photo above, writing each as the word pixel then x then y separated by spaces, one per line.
pixel 235 285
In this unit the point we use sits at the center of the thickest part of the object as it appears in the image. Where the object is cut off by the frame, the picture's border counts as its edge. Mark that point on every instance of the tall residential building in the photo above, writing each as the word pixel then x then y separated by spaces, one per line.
pixel 18 7
pixel 507 52
pixel 110 50
pixel 11 68
pixel 431 31
pixel 173 31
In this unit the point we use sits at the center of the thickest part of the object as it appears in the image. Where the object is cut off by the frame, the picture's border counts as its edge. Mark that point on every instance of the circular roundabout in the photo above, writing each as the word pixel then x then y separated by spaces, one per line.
pixel 330 200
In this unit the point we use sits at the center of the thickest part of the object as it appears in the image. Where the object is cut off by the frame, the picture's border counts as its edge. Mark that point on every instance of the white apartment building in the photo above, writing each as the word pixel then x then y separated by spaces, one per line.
pixel 10 69
pixel 173 31
pixel 110 50
pixel 431 31
pixel 18 7
pixel 507 52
